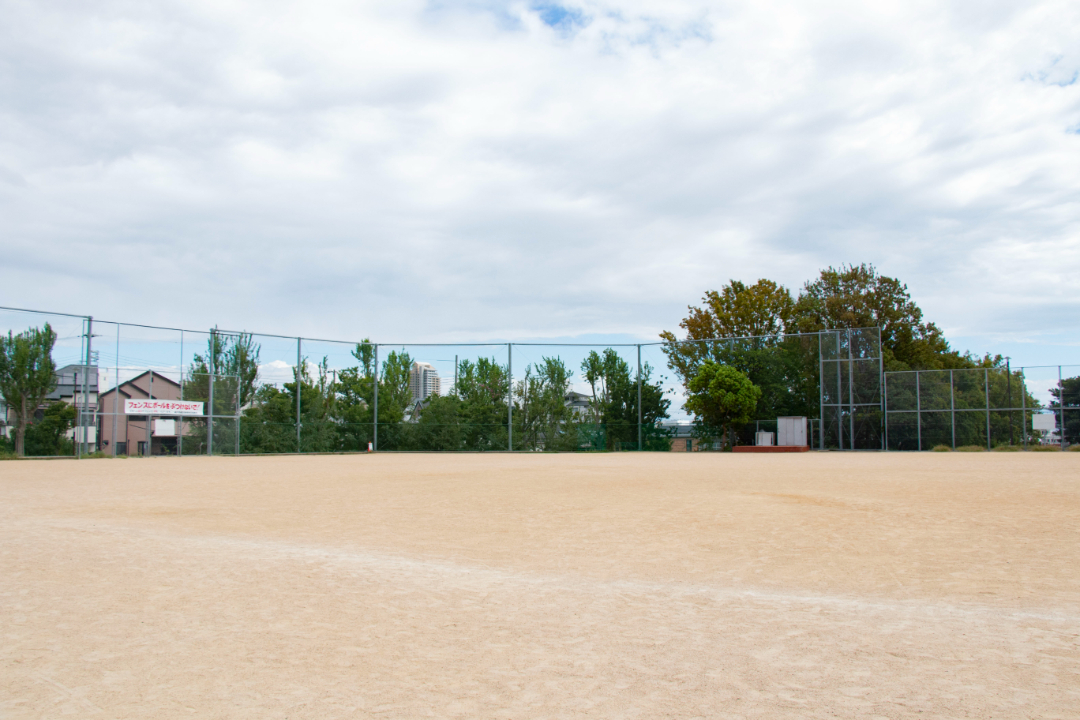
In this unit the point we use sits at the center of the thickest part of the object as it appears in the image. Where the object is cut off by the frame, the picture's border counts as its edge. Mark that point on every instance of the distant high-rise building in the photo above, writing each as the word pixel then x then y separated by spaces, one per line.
pixel 423 381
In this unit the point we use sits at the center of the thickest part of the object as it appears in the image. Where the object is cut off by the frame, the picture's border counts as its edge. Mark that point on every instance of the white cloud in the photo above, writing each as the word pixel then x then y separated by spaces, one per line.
pixel 425 170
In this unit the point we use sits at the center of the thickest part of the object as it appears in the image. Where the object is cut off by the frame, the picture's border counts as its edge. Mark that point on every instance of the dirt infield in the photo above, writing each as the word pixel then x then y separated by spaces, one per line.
pixel 496 586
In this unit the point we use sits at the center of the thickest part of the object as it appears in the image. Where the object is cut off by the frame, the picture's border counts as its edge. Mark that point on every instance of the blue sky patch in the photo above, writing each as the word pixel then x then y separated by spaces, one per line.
pixel 559 17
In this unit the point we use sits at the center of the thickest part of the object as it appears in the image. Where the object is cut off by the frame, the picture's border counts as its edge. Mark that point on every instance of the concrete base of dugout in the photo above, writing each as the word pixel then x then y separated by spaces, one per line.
pixel 770 448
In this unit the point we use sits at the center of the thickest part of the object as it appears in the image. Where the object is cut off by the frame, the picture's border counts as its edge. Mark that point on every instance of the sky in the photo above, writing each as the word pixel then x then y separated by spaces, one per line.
pixel 451 171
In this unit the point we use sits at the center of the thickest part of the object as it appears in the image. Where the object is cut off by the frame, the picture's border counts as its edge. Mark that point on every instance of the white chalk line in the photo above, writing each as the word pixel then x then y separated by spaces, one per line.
pixel 481 578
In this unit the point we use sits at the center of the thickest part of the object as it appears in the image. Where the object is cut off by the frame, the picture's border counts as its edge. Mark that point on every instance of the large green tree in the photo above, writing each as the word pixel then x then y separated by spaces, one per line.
pixel 614 404
pixel 48 435
pixel 234 360
pixel 483 388
pixel 27 376
pixel 233 363
pixel 739 310
pixel 752 321
pixel 858 296
pixel 269 423
pixel 542 419
pixel 356 392
pixel 395 397
pixel 721 397
pixel 761 327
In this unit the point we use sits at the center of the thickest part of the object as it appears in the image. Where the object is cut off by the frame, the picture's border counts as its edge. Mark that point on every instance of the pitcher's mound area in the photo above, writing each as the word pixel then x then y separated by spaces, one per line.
pixel 604 586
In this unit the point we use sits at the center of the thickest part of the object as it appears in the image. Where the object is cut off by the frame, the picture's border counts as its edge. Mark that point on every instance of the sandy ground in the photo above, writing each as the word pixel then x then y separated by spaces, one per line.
pixel 611 586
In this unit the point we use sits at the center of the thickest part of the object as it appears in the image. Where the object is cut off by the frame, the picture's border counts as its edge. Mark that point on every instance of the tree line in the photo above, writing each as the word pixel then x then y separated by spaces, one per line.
pixel 336 410
pixel 748 352
pixel 767 363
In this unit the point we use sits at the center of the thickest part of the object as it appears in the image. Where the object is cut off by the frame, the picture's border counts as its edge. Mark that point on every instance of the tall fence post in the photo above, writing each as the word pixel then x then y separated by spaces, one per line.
pixel 375 409
pixel 86 385
pixel 885 406
pixel 1008 380
pixel 210 414
pixel 851 392
pixel 918 410
pixel 640 415
pixel 180 432
pixel 1023 408
pixel 839 396
pixel 299 360
pixel 236 412
pixel 1061 409
pixel 821 394
pixel 952 408
pixel 76 390
pixel 116 396
pixel 510 399
pixel 881 374
pixel 150 420
pixel 986 386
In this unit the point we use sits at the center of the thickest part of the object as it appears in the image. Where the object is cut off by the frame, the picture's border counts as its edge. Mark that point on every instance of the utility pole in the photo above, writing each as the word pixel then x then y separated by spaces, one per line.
pixel 86 387
pixel 639 410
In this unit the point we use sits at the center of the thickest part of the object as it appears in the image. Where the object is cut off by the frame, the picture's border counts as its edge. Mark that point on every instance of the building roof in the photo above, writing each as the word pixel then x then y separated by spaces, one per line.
pixel 157 377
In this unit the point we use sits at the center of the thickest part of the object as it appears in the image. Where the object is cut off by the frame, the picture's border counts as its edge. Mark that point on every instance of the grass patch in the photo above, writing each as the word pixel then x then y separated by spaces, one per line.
pixel 971 448
pixel 1045 448
pixel 1008 448
pixel 1074 448
pixel 941 448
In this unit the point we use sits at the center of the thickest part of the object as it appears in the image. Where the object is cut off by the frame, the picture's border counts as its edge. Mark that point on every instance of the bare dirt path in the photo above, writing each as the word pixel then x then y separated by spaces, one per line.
pixel 497 586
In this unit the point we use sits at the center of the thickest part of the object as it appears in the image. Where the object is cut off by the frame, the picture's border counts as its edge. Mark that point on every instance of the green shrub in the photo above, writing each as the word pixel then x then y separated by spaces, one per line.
pixel 1008 448
pixel 941 448
pixel 1046 448
pixel 971 448
pixel 1074 448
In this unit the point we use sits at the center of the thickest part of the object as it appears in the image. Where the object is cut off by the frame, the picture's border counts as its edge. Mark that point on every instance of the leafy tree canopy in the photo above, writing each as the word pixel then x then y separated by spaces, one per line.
pixel 739 310
pixel 853 296
pixel 48 435
pixel 856 296
pixel 27 375
pixel 721 396
pixel 614 404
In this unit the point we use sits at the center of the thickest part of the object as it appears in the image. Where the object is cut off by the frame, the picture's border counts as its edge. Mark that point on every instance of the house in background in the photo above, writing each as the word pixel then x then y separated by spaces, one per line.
pixel 69 389
pixel 579 403
pixel 133 436
pixel 682 437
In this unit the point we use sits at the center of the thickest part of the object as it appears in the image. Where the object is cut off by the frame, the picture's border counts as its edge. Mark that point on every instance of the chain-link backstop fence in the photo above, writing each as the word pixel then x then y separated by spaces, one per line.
pixel 982 407
pixel 128 389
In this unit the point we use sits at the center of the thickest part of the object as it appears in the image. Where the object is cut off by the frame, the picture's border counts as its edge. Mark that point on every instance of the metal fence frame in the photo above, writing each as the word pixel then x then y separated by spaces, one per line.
pixel 844 403
pixel 85 411
pixel 987 410
pixel 845 340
